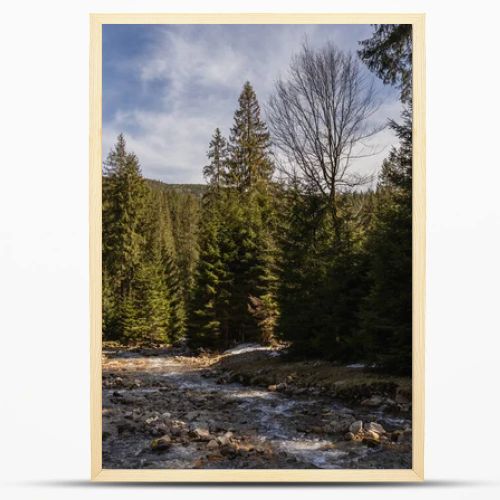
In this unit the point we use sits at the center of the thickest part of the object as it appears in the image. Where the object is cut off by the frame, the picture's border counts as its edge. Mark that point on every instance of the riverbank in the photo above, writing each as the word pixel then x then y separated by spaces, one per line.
pixel 354 384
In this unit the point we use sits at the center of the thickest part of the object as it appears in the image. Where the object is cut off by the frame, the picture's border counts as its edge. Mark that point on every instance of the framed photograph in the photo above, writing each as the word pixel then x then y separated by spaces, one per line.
pixel 257 247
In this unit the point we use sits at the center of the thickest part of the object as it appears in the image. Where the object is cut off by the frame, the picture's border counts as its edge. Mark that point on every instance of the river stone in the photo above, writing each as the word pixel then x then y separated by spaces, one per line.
pixel 349 436
pixel 375 427
pixel 404 407
pixel 162 443
pixel 230 448
pixel 340 425
pixel 402 399
pixel 373 401
pixel 395 435
pixel 371 437
pixel 225 439
pixel 356 427
pixel 327 447
pixel 201 432
pixel 405 436
pixel 213 445
pixel 245 447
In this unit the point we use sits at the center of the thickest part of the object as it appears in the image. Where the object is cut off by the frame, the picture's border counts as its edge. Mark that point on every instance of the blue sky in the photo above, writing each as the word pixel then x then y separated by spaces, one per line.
pixel 167 87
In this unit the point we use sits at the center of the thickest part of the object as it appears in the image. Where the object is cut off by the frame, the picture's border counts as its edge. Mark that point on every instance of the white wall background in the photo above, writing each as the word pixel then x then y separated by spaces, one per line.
pixel 44 362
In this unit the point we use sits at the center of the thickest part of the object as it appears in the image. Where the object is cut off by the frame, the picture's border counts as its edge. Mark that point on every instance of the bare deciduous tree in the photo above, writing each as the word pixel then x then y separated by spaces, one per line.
pixel 320 119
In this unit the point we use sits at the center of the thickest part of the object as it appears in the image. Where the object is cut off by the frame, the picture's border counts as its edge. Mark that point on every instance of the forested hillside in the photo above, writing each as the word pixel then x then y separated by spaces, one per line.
pixel 149 253
pixel 286 241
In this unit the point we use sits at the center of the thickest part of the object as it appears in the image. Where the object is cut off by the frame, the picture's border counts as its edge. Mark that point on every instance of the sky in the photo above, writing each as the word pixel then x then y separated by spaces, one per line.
pixel 167 87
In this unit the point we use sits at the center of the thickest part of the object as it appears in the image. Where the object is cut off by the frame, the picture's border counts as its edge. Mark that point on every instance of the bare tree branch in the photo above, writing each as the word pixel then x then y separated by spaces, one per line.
pixel 320 117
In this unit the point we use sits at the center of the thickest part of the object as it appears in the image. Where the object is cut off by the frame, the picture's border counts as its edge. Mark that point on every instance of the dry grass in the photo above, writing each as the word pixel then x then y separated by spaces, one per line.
pixel 261 369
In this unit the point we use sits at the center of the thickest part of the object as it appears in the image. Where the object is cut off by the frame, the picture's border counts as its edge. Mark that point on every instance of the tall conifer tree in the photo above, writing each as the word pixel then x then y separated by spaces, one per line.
pixel 216 171
pixel 249 144
pixel 250 169
pixel 124 195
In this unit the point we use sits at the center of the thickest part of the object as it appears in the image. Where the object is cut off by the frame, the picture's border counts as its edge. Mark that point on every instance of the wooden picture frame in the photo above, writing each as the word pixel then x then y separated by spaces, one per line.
pixel 282 475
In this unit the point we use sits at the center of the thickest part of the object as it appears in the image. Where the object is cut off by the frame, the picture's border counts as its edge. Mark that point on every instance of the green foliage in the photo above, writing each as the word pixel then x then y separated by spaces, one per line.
pixel 143 297
pixel 322 280
pixel 387 311
pixel 249 162
pixel 216 171
pixel 388 53
pixel 386 315
pixel 207 325
pixel 124 194
pixel 234 297
pixel 246 258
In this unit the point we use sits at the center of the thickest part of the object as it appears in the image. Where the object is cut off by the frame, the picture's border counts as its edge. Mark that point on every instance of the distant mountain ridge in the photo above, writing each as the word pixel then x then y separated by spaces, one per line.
pixel 197 190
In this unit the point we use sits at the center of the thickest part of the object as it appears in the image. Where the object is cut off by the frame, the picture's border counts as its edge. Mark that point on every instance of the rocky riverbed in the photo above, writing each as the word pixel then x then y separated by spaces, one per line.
pixel 162 409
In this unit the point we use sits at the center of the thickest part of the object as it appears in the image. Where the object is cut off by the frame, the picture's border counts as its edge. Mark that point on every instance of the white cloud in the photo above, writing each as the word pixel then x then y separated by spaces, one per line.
pixel 197 73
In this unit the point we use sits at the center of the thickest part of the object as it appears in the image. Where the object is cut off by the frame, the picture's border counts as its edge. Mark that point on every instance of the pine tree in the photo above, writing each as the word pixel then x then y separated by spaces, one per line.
pixel 146 308
pixel 322 277
pixel 208 326
pixel 249 163
pixel 173 285
pixel 205 328
pixel 142 297
pixel 387 311
pixel 216 170
pixel 185 215
pixel 388 53
pixel 252 300
pixel 159 253
pixel 124 194
pixel 302 269
pixel 234 297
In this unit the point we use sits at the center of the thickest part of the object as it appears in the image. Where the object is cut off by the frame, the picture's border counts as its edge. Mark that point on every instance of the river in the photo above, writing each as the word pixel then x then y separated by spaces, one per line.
pixel 226 426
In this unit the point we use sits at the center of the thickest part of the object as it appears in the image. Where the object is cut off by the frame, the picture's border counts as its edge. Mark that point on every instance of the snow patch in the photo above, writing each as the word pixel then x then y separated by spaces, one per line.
pixel 245 348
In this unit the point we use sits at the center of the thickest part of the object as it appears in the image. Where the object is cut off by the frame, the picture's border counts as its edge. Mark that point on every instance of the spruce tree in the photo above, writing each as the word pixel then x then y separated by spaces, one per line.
pixel 205 328
pixel 124 195
pixel 234 297
pixel 208 326
pixel 159 253
pixel 302 269
pixel 249 143
pixel 387 311
pixel 216 171
pixel 252 299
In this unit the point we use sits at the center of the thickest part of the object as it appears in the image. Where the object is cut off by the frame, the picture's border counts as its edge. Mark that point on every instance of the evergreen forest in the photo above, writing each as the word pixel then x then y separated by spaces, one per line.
pixel 286 242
